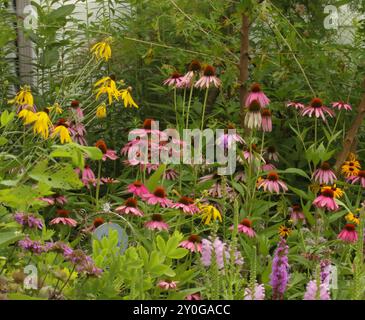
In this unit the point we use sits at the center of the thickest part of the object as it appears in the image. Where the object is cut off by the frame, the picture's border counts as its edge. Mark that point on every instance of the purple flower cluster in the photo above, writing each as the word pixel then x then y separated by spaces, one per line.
pixel 221 252
pixel 83 262
pixel 34 246
pixel 280 270
pixel 312 290
pixel 28 220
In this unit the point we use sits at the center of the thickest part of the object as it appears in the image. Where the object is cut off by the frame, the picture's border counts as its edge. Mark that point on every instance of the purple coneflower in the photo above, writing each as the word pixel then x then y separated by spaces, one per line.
pixel 208 78
pixel 108 180
pixel 245 226
pixel 296 214
pixel 317 109
pixel 348 233
pixel 75 105
pixel 253 118
pixel 168 284
pixel 271 154
pixel 295 105
pixel 359 178
pixel 266 122
pixel 227 139
pixel 257 95
pixel 268 167
pixel 174 80
pixel 324 174
pixel 157 197
pixel 187 205
pixel 107 153
pixel 63 217
pixel 194 296
pixel 280 270
pixel 156 223
pixel 194 68
pixel 272 183
pixel 216 190
pixel 258 294
pixel 193 243
pixel 137 188
pixel 326 200
pixel 312 291
pixel 55 199
pixel 28 220
pixel 88 176
pixel 130 207
pixel 78 132
pixel 341 105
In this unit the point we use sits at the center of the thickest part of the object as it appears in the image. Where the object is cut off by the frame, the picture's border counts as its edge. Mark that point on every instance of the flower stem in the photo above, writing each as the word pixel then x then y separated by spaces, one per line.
pixel 189 105
pixel 98 184
pixel 204 107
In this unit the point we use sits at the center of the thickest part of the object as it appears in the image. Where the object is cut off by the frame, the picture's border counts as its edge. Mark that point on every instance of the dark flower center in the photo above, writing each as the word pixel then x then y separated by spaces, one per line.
pixel 131 202
pixel 195 66
pixel 361 174
pixel 271 149
pixel 209 71
pixel 328 193
pixel 157 217
pixel 325 166
pixel 113 77
pixel 102 146
pixel 186 200
pixel 350 227
pixel 63 213
pixel 160 192
pixel 296 207
pixel 194 238
pixel 176 75
pixel 272 176
pixel 246 222
pixel 254 106
pixel 98 222
pixel 255 87
pixel 316 103
pixel 62 122
pixel 137 184
pixel 147 124
pixel 266 112
pixel 75 104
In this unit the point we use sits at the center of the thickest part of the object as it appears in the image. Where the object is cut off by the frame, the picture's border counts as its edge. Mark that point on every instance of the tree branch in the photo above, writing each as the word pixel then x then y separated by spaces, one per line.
pixel 350 139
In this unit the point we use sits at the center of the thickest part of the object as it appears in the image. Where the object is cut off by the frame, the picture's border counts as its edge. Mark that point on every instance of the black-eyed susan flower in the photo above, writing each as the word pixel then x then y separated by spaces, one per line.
pixel 353 218
pixel 23 98
pixel 127 98
pixel 284 231
pixel 102 49
pixel 61 130
pixel 42 124
pixel 101 111
pixel 209 213
pixel 351 166
pixel 337 192
pixel 107 86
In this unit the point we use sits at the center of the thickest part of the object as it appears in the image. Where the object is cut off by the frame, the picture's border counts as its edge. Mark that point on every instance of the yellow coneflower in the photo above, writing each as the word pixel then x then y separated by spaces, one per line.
pixel 284 231
pixel 127 98
pixel 107 86
pixel 23 97
pixel 28 116
pixel 354 218
pixel 63 133
pixel 56 108
pixel 101 111
pixel 42 124
pixel 337 192
pixel 209 213
pixel 102 49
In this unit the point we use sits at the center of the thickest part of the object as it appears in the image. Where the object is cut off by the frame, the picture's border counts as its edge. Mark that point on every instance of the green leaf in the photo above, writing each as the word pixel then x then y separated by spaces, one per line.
pixel 3 141
pixel 61 12
pixel 297 171
pixel 155 178
pixel 7 238
pixel 6 117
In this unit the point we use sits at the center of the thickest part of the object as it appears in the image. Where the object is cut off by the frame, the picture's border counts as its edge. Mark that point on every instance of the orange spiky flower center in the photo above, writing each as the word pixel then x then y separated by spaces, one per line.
pixel 102 146
pixel 160 192
pixel 209 71
pixel 131 202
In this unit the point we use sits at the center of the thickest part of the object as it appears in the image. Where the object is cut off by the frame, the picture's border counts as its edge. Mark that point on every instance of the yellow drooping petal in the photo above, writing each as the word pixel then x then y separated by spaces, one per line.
pixel 127 98
pixel 56 108
pixel 23 97
pixel 42 124
pixel 101 111
pixel 107 86
pixel 102 50
pixel 63 133
pixel 209 213
pixel 28 116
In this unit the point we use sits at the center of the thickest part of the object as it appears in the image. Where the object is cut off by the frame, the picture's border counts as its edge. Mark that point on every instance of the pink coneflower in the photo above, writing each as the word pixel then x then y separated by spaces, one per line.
pixel 193 243
pixel 194 296
pixel 78 132
pixel 208 78
pixel 326 200
pixel 341 105
pixel 253 118
pixel 324 174
pixel 75 105
pixel 296 105
pixel 348 233
pixel 268 167
pixel 130 207
pixel 55 199
pixel 272 183
pixel 216 190
pixel 359 178
pixel 317 109
pixel 250 154
pixel 296 214
pixel 266 120
pixel 63 217
pixel 257 95
pixel 137 188
pixel 174 80
pixel 257 294
pixel 170 174
pixel 168 284
pixel 187 205
pixel 157 197
pixel 194 68
pixel 156 222
pixel 108 180
pixel 125 150
pixel 107 153
pixel 271 154
pixel 149 126
pixel 88 176
pixel 245 226
pixel 226 140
